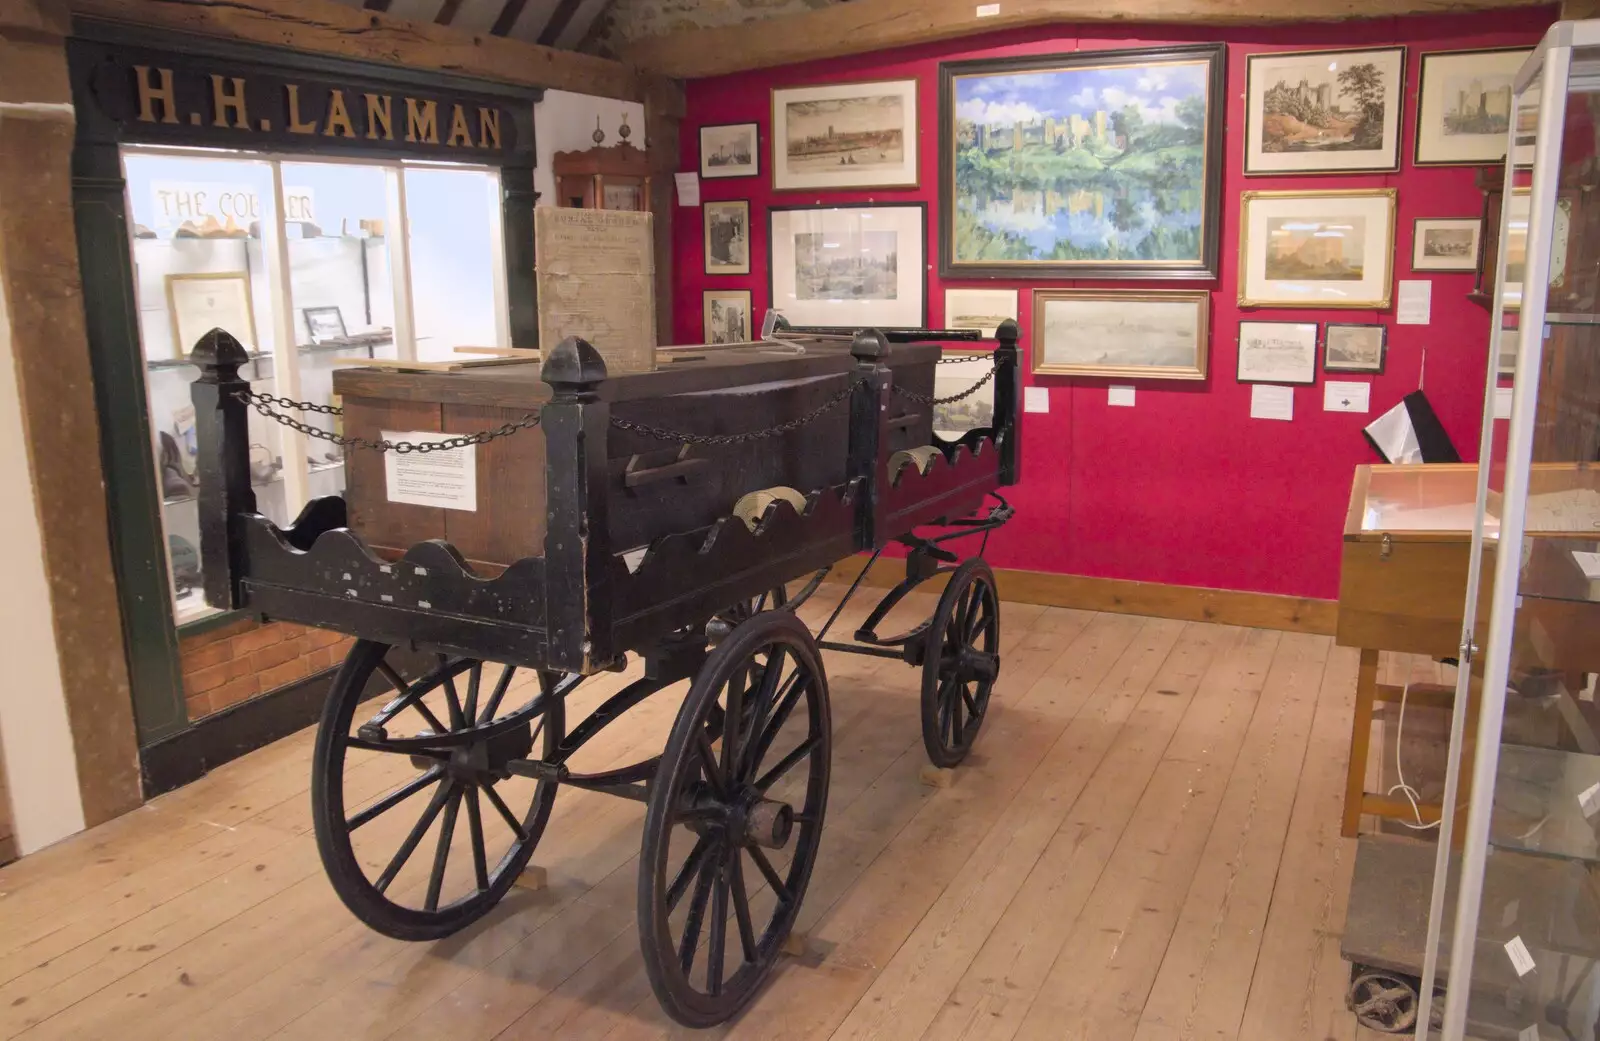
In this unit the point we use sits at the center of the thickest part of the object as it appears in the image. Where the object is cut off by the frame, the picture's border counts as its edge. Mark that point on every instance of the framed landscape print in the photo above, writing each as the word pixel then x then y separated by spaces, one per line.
pixel 849 267
pixel 1445 243
pixel 727 237
pixel 1316 248
pixel 1351 347
pixel 1464 107
pixel 1324 111
pixel 1277 352
pixel 845 135
pixel 730 150
pixel 951 419
pixel 1095 164
pixel 980 309
pixel 727 315
pixel 1154 334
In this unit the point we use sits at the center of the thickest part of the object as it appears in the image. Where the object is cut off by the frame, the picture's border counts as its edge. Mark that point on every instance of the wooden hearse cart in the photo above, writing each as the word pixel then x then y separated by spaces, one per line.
pixel 607 516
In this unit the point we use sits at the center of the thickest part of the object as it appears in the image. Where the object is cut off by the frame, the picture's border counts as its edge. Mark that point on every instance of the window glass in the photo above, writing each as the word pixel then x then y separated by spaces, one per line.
pixel 457 275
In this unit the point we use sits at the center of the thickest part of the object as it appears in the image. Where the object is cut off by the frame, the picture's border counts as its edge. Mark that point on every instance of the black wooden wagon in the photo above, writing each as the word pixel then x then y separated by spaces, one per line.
pixel 663 513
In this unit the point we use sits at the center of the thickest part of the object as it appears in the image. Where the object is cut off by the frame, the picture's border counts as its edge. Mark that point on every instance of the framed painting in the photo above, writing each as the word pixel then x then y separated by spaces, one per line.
pixel 849 267
pixel 1277 352
pixel 980 309
pixel 1354 347
pixel 730 150
pixel 198 303
pixel 845 135
pixel 1324 111
pixel 1445 243
pixel 1316 248
pixel 727 315
pixel 951 419
pixel 1154 334
pixel 1464 105
pixel 727 237
pixel 1096 164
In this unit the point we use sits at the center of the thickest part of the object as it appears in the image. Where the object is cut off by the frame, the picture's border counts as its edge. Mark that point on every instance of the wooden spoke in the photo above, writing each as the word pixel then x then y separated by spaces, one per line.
pixel 505 813
pixel 719 927
pixel 787 763
pixel 979 619
pixel 388 749
pixel 419 829
pixel 480 866
pixel 972 703
pixel 408 697
pixel 469 711
pixel 947 711
pixel 770 873
pixel 395 680
pixel 394 798
pixel 780 716
pixel 732 731
pixel 708 762
pixel 441 852
pixel 689 871
pixel 741 904
pixel 764 700
pixel 498 694
pixel 697 913
pixel 458 721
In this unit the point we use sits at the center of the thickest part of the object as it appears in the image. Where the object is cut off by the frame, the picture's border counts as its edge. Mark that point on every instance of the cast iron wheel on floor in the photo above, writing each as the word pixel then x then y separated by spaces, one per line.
pixel 749 821
pixel 960 662
pixel 1384 1001
pixel 459 748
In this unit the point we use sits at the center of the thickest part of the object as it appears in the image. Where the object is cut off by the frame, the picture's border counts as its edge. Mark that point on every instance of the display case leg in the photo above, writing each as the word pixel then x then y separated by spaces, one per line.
pixel 533 878
pixel 937 776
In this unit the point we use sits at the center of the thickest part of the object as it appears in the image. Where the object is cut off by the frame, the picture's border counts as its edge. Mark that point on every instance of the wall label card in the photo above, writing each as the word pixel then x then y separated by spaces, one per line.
pixel 1502 402
pixel 1589 801
pixel 688 188
pixel 445 479
pixel 1521 960
pixel 1121 396
pixel 988 10
pixel 1036 399
pixel 1269 401
pixel 1415 306
pixel 1340 396
pixel 1529 1033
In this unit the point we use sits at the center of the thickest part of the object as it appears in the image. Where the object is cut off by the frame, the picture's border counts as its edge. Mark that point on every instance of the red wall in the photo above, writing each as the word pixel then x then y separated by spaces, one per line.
pixel 1184 488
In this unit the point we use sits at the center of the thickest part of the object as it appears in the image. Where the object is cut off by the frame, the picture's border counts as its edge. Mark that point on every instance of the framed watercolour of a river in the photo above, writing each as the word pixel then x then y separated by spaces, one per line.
pixel 1097 164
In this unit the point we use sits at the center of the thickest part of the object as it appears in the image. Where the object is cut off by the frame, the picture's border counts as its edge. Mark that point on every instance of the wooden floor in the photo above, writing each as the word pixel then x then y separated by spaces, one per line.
pixel 1143 846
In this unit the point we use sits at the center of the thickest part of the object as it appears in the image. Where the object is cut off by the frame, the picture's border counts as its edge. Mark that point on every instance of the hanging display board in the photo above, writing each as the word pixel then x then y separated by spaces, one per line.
pixel 597 280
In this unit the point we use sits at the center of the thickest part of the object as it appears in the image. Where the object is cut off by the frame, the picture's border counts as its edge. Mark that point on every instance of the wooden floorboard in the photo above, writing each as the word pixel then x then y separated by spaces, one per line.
pixel 1143 847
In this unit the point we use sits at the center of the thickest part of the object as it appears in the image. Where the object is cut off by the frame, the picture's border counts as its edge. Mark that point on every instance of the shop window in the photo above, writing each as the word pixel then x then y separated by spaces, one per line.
pixel 206 230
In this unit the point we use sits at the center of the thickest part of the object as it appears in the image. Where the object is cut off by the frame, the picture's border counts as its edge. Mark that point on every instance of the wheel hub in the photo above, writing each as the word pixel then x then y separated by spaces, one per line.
pixel 485 760
pixel 769 823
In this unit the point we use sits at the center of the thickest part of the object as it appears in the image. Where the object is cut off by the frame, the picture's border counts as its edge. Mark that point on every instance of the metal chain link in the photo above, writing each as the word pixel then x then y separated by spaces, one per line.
pixel 928 399
pixel 263 403
pixel 662 434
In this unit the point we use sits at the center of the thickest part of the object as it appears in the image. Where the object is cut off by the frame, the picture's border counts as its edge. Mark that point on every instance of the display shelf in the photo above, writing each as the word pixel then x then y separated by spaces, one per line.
pixel 1547 802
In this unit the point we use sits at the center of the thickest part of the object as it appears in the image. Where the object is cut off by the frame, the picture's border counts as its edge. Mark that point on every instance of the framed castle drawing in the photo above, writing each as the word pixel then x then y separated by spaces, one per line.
pixel 849 267
pixel 1464 107
pixel 1324 111
pixel 845 135
pixel 1316 248
pixel 1094 164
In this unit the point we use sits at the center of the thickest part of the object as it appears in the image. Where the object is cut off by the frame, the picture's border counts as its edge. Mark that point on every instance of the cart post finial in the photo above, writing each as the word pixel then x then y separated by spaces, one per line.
pixel 222 464
pixel 869 429
pixel 573 363
pixel 1007 402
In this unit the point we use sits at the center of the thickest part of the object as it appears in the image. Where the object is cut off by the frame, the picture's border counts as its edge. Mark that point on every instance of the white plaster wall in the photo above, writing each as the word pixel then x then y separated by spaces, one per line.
pixel 40 764
pixel 564 122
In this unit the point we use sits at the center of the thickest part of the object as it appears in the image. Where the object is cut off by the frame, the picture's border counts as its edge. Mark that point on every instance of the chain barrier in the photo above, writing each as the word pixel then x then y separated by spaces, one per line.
pixel 263 403
pixel 929 399
pixel 662 434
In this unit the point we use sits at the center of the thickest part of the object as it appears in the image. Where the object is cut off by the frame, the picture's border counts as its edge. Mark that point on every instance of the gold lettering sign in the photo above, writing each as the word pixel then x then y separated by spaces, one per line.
pixel 296 124
pixel 223 103
pixel 422 121
pixel 459 134
pixel 489 128
pixel 380 111
pixel 338 118
pixel 149 94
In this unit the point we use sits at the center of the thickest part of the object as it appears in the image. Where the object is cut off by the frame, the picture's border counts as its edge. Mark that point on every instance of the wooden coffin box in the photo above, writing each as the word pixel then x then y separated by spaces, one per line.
pixel 655 487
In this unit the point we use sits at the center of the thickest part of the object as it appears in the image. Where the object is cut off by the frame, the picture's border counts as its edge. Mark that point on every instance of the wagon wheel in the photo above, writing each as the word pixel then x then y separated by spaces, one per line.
pixel 451 736
pixel 1384 1001
pixel 733 824
pixel 960 660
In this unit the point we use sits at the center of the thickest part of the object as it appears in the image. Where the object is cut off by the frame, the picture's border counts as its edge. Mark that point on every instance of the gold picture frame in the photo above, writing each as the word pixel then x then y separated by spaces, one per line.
pixel 1170 327
pixel 193 311
pixel 1316 273
pixel 718 324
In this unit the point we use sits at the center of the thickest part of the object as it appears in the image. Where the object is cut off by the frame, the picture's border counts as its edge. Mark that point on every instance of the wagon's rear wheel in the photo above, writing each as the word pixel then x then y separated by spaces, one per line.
pixel 734 819
pixel 960 662
pixel 421 827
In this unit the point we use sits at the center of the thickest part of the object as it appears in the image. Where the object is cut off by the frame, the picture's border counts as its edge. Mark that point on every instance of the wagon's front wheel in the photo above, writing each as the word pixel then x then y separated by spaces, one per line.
pixel 960 661
pixel 421 826
pixel 734 819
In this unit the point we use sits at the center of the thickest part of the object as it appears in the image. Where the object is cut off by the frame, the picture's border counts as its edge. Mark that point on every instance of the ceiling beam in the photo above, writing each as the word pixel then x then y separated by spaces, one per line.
pixel 871 25
pixel 447 13
pixel 508 17
pixel 327 27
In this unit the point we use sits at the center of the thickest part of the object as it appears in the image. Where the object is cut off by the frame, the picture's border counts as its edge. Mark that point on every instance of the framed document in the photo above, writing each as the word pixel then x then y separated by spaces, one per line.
pixel 1277 352
pixel 850 267
pixel 199 303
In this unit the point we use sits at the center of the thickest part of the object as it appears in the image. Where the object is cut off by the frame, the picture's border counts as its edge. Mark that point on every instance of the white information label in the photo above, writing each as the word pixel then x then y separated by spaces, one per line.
pixel 1036 399
pixel 1502 402
pixel 688 188
pixel 1587 693
pixel 1521 960
pixel 1270 401
pixel 1530 1033
pixel 988 10
pixel 1121 396
pixel 445 479
pixel 1346 397
pixel 1415 306
pixel 1589 801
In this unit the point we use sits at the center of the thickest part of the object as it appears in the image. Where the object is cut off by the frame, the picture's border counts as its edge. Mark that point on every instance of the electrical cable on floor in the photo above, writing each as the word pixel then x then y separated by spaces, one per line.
pixel 1405 789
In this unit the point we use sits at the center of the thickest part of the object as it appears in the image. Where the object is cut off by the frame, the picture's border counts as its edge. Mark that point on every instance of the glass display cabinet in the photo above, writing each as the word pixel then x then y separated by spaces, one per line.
pixel 1512 943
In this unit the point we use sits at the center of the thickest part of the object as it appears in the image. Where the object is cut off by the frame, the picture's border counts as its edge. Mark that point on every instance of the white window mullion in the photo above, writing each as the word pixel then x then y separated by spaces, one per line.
pixel 497 240
pixel 286 351
pixel 397 231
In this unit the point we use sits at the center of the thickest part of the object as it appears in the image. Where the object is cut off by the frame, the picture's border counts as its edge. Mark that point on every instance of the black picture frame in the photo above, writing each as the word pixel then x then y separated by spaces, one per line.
pixel 313 315
pixel 1207 266
pixel 708 207
pixel 922 279
pixel 754 166
pixel 1328 365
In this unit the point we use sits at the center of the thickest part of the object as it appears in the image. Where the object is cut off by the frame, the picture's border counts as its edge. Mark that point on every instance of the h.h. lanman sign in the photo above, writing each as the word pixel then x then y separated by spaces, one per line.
pixel 333 107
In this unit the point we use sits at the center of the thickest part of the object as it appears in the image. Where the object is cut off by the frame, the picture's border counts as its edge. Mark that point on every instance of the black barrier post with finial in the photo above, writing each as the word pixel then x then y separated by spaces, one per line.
pixel 1007 403
pixel 869 430
pixel 222 464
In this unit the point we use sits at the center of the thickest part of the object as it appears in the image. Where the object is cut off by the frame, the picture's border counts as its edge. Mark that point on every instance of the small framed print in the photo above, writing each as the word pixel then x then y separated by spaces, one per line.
pixel 324 324
pixel 1277 352
pixel 730 150
pixel 1316 248
pixel 727 237
pixel 951 419
pixel 1464 103
pixel 727 315
pixel 1445 243
pixel 1353 347
pixel 980 309
pixel 845 135
pixel 849 267
pixel 1324 111
pixel 198 303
